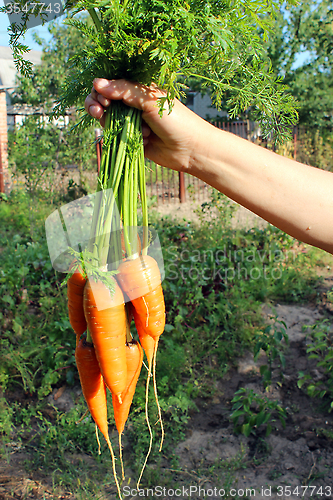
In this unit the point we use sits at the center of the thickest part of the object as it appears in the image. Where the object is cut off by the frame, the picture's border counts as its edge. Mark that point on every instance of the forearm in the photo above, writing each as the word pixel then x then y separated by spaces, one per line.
pixel 294 197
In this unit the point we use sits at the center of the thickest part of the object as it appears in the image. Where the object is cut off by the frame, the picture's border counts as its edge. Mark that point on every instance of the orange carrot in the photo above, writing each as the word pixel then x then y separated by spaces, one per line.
pixel 140 279
pixel 94 392
pixel 134 356
pixel 75 288
pixel 106 321
pixel 92 383
pixel 147 342
pixel 151 309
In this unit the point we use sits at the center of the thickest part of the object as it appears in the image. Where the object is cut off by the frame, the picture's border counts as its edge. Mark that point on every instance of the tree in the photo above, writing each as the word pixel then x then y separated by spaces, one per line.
pixel 38 148
pixel 56 147
pixel 42 88
pixel 307 29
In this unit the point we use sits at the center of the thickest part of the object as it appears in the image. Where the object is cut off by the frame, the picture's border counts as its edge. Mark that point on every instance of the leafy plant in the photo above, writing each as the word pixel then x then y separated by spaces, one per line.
pixel 6 423
pixel 35 341
pixel 250 411
pixel 37 149
pixel 320 348
pixel 271 342
pixel 43 85
pixel 32 152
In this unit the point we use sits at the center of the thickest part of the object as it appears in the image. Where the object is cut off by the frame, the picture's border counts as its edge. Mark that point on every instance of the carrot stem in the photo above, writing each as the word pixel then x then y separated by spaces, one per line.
pixel 96 21
pixel 143 197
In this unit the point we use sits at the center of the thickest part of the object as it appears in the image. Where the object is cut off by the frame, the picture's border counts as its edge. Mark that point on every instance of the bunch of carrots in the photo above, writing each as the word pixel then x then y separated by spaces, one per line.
pixel 106 355
pixel 115 281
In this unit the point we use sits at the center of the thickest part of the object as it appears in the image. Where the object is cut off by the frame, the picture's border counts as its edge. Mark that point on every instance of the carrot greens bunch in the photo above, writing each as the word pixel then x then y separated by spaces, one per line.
pixel 221 44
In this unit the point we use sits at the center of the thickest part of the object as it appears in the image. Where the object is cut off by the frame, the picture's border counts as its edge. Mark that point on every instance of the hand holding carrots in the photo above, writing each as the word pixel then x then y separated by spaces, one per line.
pixel 169 141
pixel 294 197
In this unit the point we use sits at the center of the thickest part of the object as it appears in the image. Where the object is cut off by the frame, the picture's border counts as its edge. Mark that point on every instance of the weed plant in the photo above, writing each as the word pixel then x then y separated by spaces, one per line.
pixel 273 340
pixel 320 349
pixel 251 411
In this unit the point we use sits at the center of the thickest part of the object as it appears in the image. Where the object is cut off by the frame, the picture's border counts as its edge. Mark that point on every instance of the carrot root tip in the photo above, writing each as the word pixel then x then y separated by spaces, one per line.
pixel 121 458
pixel 98 441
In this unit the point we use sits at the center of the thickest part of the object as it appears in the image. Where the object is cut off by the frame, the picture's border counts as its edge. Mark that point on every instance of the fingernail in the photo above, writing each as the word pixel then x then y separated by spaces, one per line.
pixel 94 110
pixel 101 82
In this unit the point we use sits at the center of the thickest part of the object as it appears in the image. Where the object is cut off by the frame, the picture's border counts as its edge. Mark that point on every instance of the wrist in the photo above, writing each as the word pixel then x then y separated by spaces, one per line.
pixel 206 154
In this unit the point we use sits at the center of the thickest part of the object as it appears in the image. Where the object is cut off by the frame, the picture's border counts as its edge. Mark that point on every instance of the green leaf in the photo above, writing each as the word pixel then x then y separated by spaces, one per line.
pixel 238 413
pixel 9 300
pixel 169 328
pixel 260 418
pixel 246 429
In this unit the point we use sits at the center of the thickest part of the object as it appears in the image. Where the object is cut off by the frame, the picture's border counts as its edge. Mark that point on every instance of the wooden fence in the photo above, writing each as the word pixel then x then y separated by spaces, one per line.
pixel 168 186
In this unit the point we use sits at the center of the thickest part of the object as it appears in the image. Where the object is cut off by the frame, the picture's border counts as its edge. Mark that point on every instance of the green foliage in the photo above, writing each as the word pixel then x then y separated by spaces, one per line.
pixel 270 341
pixel 37 149
pixel 314 149
pixel 32 151
pixel 210 321
pixel 6 424
pixel 49 435
pixel 251 411
pixel 36 342
pixel 170 42
pixel 44 82
pixel 320 348
pixel 306 28
pixel 216 280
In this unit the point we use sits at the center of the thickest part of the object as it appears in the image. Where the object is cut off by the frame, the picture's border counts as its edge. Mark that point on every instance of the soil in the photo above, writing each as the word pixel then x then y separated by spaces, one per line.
pixel 291 463
pixel 242 217
pixel 296 456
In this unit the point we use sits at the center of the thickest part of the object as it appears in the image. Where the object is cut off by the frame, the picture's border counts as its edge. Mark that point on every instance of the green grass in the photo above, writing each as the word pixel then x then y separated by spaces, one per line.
pixel 216 281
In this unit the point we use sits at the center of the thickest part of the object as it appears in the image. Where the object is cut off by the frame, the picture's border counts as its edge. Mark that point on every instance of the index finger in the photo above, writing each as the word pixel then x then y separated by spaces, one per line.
pixel 131 93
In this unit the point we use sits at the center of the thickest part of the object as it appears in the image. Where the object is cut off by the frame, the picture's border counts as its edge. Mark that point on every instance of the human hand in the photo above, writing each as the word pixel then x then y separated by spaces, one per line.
pixel 170 141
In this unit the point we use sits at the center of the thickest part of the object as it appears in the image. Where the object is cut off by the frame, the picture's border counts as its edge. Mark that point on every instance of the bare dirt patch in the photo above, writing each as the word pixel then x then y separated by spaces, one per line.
pixel 189 211
pixel 291 458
